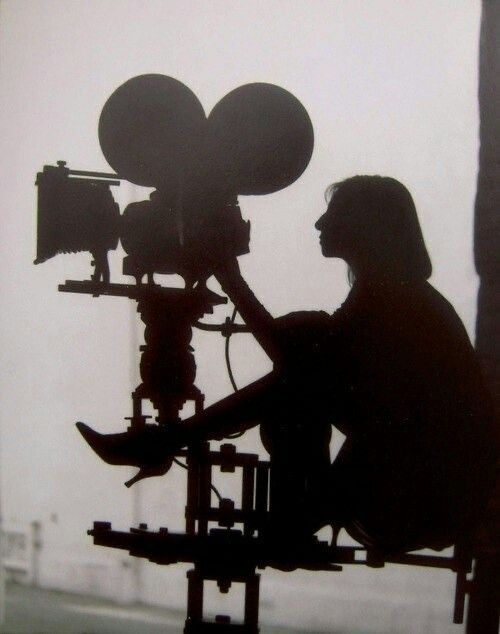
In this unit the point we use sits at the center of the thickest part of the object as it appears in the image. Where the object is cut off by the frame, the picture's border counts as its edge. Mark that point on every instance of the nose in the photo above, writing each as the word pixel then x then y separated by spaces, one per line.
pixel 320 223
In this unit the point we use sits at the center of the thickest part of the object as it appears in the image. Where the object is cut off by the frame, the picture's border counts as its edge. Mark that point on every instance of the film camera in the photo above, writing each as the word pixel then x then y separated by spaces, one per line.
pixel 154 133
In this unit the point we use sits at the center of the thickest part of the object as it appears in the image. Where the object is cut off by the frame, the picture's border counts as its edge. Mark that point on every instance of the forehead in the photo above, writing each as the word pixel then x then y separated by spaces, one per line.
pixel 335 201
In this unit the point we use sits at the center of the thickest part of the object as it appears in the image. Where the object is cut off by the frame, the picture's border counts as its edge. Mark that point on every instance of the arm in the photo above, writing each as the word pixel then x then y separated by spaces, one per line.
pixel 257 318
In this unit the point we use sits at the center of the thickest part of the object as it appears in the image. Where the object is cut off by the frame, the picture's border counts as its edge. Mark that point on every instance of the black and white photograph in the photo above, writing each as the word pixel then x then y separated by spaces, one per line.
pixel 249 263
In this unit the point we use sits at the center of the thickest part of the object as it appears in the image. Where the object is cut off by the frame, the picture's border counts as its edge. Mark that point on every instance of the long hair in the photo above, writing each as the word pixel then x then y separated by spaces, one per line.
pixel 384 227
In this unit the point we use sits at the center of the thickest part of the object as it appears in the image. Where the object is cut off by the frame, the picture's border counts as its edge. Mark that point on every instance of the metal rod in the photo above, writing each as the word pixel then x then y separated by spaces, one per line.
pixel 96 174
pixel 224 328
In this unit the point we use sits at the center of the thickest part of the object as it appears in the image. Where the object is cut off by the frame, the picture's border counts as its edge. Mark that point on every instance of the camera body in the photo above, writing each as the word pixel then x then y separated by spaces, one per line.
pixel 154 132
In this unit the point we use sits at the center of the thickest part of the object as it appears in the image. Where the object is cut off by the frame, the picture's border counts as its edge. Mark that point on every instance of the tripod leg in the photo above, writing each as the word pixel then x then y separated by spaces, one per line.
pixel 252 603
pixel 194 602
pixel 482 613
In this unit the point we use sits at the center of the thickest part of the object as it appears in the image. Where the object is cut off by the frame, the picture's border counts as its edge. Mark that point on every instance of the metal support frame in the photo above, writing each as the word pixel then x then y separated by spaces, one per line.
pixel 200 513
pixel 222 553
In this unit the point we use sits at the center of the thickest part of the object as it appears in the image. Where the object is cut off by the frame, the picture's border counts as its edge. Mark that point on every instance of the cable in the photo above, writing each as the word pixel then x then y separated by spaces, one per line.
pixel 227 329
pixel 235 388
pixel 226 349
pixel 214 489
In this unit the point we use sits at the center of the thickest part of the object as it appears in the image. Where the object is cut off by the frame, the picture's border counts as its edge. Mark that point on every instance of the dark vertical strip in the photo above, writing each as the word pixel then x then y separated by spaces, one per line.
pixel 252 604
pixel 482 615
pixel 247 498
pixel 487 217
pixel 205 491
pixel 195 599
pixel 262 491
pixel 193 479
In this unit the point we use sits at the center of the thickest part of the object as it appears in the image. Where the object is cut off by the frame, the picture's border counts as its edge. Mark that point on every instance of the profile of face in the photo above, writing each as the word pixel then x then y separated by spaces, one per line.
pixel 335 231
pixel 372 224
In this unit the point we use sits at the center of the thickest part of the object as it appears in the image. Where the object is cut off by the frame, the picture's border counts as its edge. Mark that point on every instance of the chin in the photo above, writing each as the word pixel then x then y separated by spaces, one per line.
pixel 328 251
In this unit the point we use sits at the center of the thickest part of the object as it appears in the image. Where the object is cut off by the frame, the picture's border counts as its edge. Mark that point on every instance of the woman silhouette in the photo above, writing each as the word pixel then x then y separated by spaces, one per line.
pixel 393 369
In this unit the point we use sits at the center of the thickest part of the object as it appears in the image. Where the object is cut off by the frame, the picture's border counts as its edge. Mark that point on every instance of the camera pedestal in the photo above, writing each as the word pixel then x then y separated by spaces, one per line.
pixel 224 554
